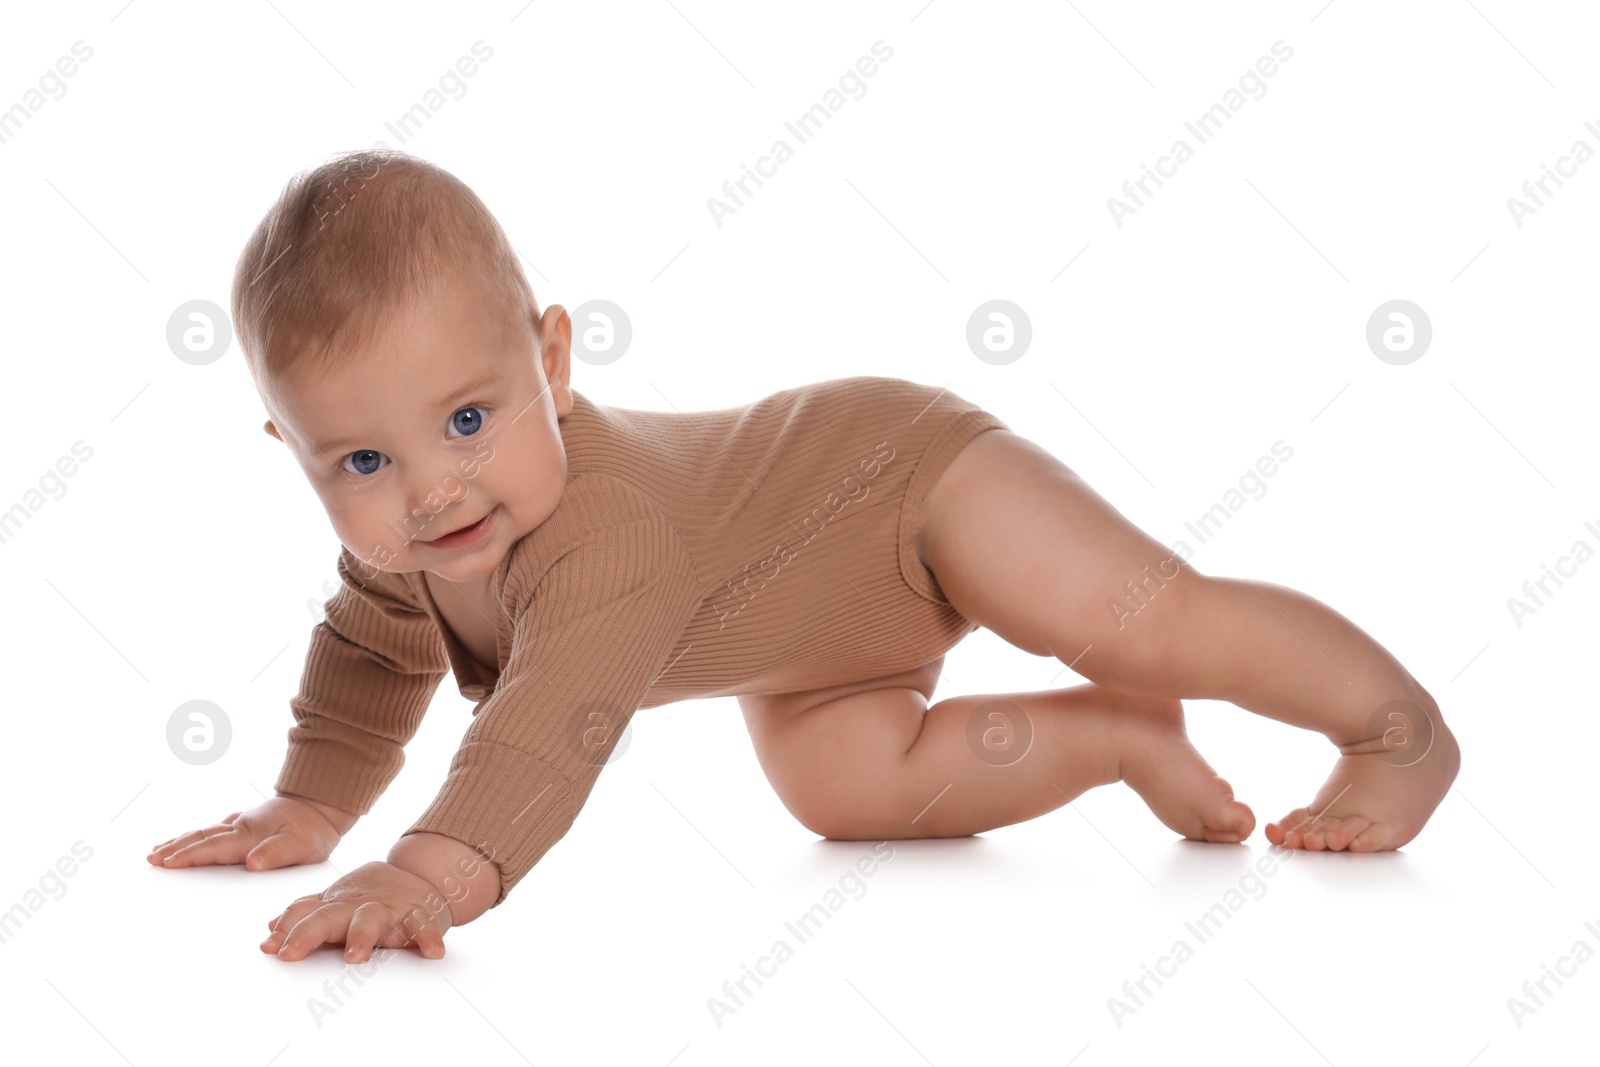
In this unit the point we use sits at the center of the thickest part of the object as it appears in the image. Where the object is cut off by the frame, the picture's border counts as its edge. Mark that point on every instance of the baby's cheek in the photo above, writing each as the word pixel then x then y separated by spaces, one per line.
pixel 368 537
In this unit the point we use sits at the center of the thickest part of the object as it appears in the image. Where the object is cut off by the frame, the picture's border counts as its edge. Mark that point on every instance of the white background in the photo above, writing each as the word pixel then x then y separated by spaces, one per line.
pixel 1168 354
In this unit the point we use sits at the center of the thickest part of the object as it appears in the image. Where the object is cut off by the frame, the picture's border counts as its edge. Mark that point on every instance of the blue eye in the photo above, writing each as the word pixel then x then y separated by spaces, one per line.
pixel 468 420
pixel 366 461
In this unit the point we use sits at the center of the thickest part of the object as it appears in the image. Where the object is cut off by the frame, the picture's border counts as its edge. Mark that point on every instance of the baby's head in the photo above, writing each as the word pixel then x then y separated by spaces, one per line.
pixel 402 359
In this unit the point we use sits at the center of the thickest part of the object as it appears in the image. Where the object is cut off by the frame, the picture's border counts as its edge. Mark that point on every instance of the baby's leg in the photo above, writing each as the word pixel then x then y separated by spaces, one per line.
pixel 1021 545
pixel 877 762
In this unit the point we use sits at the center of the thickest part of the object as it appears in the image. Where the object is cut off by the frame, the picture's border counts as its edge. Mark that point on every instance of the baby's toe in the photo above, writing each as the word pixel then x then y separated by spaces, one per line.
pixel 1373 838
pixel 1230 822
pixel 1315 834
pixel 1320 835
pixel 1286 831
pixel 1339 836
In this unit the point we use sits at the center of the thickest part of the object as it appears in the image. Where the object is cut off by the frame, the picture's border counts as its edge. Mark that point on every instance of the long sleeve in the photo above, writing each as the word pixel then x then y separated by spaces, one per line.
pixel 592 629
pixel 371 670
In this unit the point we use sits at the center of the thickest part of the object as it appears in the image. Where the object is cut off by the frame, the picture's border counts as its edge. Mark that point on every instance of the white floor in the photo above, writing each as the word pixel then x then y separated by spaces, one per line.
pixel 684 873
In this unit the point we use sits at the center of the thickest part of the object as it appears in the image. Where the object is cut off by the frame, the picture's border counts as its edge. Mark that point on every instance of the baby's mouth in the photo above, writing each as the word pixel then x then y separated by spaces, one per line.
pixel 463 529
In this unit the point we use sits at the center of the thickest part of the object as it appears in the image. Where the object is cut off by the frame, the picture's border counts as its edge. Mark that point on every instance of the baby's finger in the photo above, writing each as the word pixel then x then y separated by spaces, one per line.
pixel 224 846
pixel 328 923
pixel 182 839
pixel 169 841
pixel 425 932
pixel 280 850
pixel 172 844
pixel 286 920
pixel 370 922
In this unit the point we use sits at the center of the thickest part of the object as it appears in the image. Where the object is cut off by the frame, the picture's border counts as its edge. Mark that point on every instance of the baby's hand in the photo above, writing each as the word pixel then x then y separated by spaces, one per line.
pixel 375 904
pixel 279 832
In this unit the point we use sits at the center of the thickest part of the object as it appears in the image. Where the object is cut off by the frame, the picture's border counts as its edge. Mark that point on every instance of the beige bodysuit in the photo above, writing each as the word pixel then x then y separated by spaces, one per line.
pixel 758 549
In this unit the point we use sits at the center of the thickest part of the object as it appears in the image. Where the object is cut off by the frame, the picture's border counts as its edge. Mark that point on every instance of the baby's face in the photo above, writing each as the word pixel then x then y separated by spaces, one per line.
pixel 412 439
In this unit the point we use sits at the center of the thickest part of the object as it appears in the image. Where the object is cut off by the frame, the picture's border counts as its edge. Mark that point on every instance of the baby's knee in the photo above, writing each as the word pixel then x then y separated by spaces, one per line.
pixel 850 817
pixel 860 811
pixel 1154 635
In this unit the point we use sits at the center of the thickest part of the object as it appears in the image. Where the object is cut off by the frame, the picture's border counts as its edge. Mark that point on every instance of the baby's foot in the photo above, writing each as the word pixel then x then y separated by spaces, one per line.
pixel 1161 765
pixel 1374 800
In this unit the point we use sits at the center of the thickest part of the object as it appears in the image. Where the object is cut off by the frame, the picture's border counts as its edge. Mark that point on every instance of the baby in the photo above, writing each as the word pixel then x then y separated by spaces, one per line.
pixel 814 554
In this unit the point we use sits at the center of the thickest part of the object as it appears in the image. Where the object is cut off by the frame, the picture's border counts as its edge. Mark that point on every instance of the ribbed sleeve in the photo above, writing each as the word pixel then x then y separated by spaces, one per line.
pixel 372 668
pixel 594 625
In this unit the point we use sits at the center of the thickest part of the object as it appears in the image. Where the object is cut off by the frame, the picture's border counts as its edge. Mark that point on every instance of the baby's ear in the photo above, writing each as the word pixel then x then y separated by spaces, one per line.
pixel 271 429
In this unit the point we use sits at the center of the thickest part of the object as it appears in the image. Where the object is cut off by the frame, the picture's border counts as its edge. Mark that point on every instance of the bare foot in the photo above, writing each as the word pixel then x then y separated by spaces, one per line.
pixel 1373 800
pixel 1182 790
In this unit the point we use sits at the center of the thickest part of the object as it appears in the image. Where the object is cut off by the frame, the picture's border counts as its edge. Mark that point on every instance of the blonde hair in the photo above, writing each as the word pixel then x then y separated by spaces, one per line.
pixel 347 245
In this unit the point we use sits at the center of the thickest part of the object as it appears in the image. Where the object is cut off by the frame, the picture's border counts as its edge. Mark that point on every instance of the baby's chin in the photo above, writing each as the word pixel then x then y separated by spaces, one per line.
pixel 473 563
pixel 475 572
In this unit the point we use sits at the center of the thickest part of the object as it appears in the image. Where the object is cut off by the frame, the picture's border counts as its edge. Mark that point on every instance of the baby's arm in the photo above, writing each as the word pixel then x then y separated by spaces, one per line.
pixel 371 670
pixel 593 627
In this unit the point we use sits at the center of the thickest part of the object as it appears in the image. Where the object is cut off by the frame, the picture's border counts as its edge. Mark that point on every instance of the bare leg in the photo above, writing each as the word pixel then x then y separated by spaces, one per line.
pixel 1281 653
pixel 1023 546
pixel 881 763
